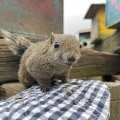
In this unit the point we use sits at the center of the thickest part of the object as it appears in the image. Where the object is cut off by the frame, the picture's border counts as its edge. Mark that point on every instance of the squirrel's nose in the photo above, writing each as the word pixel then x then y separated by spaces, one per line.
pixel 71 59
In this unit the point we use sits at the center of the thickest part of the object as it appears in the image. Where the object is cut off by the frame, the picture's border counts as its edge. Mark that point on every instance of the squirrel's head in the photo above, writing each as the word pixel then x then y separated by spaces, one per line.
pixel 64 49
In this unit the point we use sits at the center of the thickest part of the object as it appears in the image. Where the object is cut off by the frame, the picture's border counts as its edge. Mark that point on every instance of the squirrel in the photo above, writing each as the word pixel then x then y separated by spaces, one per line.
pixel 44 61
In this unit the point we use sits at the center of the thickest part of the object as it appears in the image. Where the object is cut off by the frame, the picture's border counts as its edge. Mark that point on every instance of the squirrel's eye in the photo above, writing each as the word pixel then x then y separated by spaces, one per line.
pixel 56 45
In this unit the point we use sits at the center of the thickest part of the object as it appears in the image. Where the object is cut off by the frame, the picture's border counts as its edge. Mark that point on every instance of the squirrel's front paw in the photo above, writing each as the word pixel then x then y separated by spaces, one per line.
pixel 43 89
pixel 56 82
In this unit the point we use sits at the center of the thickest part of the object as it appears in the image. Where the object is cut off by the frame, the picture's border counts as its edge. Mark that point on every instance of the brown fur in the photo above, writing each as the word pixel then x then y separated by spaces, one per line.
pixel 42 62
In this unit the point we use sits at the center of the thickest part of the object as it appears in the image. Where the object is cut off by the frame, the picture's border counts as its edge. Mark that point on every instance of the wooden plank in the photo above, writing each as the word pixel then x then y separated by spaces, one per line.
pixel 94 63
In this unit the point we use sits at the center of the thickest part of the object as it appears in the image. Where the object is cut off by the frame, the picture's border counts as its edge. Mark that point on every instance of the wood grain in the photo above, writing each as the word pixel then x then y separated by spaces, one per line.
pixel 9 64
pixel 94 63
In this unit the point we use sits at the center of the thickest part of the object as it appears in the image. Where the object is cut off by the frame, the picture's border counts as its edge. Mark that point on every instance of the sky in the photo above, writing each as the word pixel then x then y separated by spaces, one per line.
pixel 74 13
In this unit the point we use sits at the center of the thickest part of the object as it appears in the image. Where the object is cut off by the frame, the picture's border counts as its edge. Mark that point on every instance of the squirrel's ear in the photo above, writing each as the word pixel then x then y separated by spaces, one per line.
pixel 52 37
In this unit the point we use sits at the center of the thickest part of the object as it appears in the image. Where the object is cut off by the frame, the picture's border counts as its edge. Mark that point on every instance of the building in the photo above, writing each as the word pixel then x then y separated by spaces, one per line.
pixel 85 38
pixel 96 13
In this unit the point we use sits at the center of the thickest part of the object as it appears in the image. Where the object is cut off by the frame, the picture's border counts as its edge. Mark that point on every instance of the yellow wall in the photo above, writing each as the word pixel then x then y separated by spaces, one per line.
pixel 103 31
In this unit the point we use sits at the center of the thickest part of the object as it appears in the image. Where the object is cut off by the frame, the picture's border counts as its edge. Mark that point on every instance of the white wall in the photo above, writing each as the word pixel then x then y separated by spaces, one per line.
pixel 74 12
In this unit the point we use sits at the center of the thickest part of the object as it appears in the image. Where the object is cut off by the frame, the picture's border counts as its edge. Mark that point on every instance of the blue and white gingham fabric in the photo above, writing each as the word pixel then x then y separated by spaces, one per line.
pixel 88 100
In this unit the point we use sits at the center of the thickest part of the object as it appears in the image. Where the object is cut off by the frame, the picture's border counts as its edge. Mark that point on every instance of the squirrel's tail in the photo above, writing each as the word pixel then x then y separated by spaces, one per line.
pixel 17 43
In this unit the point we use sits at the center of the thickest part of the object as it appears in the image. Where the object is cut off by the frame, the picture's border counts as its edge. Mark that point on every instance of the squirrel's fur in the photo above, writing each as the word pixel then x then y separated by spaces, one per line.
pixel 44 61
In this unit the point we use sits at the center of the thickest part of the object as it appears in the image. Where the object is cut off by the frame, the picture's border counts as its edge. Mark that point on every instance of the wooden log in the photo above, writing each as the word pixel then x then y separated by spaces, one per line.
pixel 94 63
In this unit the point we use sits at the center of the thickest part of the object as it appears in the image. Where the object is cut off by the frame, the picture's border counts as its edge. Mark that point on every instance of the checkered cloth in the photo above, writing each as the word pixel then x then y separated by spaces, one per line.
pixel 88 100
